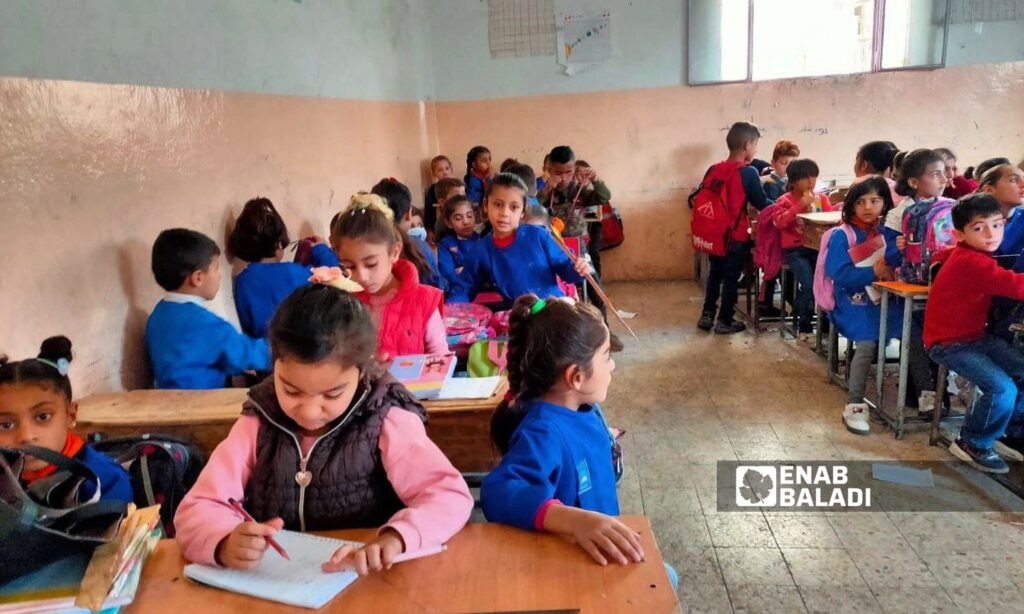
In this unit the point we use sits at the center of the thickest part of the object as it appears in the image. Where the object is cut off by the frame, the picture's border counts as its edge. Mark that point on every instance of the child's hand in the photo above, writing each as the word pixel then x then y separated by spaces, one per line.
pixel 374 556
pixel 808 201
pixel 901 243
pixel 243 548
pixel 882 270
pixel 582 267
pixel 765 179
pixel 604 538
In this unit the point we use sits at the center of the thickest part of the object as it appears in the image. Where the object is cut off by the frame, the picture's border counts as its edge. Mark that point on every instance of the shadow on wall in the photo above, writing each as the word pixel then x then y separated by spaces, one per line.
pixel 135 368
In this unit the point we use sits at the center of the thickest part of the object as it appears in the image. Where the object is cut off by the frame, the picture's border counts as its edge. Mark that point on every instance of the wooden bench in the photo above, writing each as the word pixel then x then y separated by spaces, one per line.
pixel 461 428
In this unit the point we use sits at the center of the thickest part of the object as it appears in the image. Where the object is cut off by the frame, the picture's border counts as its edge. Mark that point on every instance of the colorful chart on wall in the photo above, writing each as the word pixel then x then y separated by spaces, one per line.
pixel 584 34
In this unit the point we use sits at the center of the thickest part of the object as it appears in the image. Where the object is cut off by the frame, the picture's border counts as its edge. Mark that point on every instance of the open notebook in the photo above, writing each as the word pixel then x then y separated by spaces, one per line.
pixel 298 582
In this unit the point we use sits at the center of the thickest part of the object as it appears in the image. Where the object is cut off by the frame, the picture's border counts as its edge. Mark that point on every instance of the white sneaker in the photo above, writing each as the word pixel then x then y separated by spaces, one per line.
pixel 856 418
pixel 926 401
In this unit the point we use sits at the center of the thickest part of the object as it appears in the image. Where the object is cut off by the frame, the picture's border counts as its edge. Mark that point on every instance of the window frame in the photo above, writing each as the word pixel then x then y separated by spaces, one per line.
pixel 877 42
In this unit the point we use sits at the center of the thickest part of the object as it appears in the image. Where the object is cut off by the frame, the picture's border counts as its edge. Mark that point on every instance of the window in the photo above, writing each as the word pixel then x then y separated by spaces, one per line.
pixel 755 40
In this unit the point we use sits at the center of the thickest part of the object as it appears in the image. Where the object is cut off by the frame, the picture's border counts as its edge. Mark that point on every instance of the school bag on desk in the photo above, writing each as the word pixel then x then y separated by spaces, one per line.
pixel 47 520
pixel 162 469
pixel 927 228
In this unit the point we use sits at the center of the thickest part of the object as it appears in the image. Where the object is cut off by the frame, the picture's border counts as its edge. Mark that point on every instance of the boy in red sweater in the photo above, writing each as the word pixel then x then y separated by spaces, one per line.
pixel 954 333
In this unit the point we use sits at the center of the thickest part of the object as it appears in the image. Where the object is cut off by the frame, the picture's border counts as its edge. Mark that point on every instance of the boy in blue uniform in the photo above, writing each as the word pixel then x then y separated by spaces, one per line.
pixel 190 346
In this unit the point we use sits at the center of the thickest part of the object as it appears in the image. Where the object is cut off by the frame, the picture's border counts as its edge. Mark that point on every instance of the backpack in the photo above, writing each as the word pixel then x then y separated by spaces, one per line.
pixel 612 231
pixel 48 520
pixel 488 358
pixel 927 227
pixel 466 323
pixel 824 286
pixel 162 469
pixel 710 222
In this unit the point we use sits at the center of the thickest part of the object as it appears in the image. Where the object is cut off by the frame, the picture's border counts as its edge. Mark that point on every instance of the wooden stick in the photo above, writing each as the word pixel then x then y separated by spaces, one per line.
pixel 594 285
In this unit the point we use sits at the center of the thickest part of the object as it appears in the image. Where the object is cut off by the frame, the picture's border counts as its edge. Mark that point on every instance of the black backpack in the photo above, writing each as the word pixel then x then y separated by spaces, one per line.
pixel 162 469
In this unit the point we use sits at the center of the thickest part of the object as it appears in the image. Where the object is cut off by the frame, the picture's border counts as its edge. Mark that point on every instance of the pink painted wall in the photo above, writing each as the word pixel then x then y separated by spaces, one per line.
pixel 90 174
pixel 653 145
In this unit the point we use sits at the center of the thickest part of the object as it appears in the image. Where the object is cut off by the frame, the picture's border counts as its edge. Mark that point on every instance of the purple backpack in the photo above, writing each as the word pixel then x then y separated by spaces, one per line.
pixel 927 228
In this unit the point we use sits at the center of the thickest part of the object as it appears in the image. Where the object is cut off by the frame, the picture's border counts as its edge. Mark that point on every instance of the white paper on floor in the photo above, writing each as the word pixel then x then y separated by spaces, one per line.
pixel 626 315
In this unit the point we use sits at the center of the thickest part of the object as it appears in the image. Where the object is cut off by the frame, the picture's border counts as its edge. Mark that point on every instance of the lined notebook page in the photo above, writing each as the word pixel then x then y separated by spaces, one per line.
pixel 298 582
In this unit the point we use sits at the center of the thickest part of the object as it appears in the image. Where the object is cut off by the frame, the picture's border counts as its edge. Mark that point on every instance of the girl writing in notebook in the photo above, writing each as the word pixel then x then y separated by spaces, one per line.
pixel 560 462
pixel 329 441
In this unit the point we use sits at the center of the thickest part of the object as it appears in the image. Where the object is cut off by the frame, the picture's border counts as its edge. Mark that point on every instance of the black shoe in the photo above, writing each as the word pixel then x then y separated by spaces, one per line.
pixel 614 343
pixel 768 311
pixel 982 460
pixel 805 328
pixel 706 321
pixel 731 328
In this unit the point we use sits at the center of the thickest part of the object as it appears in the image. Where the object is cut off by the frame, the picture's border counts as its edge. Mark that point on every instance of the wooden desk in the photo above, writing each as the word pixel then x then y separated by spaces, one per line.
pixel 460 428
pixel 815 225
pixel 910 293
pixel 487 568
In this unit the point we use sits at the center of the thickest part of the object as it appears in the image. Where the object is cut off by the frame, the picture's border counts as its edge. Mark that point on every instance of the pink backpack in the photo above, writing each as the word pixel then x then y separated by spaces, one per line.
pixel 768 247
pixel 927 228
pixel 824 287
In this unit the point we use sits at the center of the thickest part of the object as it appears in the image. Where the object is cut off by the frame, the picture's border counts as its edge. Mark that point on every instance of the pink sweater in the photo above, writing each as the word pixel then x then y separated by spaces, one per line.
pixel 437 499
pixel 787 207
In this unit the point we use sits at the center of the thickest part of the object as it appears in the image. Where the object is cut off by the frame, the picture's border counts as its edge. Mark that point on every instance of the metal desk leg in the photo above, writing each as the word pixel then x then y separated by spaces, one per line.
pixel 819 339
pixel 901 389
pixel 882 333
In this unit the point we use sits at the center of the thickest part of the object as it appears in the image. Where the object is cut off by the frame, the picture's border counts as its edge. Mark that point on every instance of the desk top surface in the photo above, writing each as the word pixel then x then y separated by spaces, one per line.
pixel 487 568
pixel 153 408
pixel 903 289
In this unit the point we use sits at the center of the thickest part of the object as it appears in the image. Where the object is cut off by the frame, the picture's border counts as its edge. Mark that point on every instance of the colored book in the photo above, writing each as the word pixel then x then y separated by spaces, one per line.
pixel 424 374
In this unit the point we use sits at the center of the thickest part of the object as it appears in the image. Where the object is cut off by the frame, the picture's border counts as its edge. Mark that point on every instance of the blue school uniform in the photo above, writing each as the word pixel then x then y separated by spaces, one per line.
pixel 1013 235
pixel 191 347
pixel 555 453
pixel 260 288
pixel 115 485
pixel 475 188
pixel 453 253
pixel 529 264
pixel 855 316
pixel 433 278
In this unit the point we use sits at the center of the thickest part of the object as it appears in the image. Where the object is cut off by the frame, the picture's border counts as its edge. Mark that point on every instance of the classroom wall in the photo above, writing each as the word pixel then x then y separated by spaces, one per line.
pixel 653 145
pixel 91 173
pixel 350 49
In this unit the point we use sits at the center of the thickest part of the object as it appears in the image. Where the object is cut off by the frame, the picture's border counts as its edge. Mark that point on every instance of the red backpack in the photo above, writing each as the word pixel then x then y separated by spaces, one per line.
pixel 711 224
pixel 612 232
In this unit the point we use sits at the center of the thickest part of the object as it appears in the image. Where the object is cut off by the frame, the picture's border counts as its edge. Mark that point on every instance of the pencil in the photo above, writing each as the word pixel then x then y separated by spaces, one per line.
pixel 270 540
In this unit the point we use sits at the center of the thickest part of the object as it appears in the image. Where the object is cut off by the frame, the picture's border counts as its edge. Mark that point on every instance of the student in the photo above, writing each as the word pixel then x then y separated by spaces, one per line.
pixel 259 238
pixel 407 314
pixel 36 409
pixel 774 184
pixel 876 158
pixel 557 472
pixel 922 178
pixel 954 333
pixel 724 274
pixel 507 164
pixel 543 179
pixel 440 169
pixel 975 172
pixel 801 176
pixel 518 258
pixel 446 188
pixel 456 247
pixel 956 185
pixel 568 195
pixel 189 346
pixel 399 200
pixel 1006 184
pixel 330 441
pixel 478 173
pixel 529 177
pixel 852 268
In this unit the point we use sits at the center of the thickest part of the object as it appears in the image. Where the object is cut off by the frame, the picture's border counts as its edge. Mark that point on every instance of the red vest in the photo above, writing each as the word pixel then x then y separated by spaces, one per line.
pixel 403 323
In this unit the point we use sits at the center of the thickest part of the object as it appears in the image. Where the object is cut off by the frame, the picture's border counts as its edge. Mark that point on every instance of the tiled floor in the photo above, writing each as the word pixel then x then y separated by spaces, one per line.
pixel 688 399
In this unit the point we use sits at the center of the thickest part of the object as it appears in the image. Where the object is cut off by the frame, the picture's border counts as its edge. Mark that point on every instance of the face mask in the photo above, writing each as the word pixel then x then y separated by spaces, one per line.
pixel 418 233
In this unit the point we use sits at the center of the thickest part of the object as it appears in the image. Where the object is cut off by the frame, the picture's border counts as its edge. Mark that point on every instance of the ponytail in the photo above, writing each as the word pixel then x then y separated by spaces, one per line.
pixel 49 367
pixel 544 339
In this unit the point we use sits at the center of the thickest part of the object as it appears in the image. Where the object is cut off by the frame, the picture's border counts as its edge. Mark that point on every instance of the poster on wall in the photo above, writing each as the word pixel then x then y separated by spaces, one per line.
pixel 584 33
